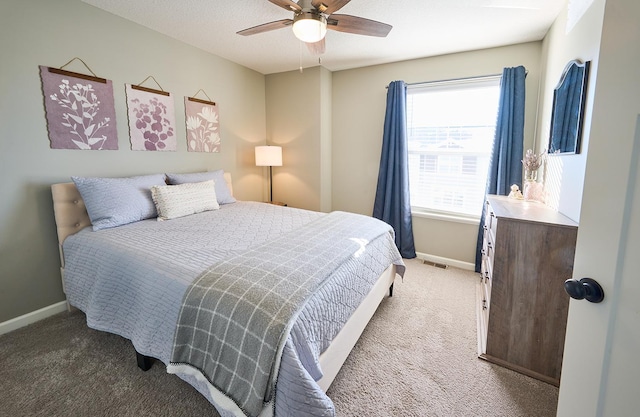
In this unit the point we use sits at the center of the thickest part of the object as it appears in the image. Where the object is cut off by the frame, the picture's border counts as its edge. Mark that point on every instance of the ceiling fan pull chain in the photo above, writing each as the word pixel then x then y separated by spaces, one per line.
pixel 300 55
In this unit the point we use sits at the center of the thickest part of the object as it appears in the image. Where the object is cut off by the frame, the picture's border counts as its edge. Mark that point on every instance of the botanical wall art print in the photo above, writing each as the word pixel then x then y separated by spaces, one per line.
pixel 80 110
pixel 203 128
pixel 151 119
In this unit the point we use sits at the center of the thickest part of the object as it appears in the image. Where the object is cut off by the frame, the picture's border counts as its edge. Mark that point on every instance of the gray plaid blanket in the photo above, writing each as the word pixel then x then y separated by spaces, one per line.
pixel 236 317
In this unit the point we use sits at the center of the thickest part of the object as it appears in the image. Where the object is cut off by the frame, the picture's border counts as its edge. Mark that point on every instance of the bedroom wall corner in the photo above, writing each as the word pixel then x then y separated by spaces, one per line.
pixel 41 32
pixel 298 120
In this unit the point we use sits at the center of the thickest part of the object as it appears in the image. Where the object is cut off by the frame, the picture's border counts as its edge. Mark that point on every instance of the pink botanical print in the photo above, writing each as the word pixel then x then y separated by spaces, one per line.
pixel 151 121
pixel 80 113
pixel 203 128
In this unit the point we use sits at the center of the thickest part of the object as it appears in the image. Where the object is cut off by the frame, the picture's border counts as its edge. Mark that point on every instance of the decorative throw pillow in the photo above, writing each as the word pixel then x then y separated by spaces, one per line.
pixel 223 194
pixel 182 200
pixel 113 202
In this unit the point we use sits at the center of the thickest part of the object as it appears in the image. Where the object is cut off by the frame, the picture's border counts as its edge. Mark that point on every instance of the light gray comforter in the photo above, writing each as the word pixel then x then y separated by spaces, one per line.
pixel 131 281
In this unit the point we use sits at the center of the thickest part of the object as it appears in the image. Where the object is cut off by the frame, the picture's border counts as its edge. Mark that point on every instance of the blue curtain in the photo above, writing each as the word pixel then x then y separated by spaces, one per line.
pixel 505 167
pixel 392 193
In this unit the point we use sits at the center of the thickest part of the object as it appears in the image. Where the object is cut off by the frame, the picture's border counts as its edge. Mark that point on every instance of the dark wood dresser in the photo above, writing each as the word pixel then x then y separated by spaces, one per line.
pixel 528 253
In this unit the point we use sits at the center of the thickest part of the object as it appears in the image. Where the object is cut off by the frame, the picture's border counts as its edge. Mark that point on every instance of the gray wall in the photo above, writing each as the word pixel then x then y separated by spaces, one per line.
pixel 50 33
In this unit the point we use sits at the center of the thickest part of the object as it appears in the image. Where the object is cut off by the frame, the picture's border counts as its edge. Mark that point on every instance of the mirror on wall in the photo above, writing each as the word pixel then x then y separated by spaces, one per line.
pixel 568 109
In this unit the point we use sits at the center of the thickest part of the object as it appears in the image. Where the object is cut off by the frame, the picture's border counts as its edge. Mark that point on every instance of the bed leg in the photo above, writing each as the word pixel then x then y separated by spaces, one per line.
pixel 144 362
pixel 391 290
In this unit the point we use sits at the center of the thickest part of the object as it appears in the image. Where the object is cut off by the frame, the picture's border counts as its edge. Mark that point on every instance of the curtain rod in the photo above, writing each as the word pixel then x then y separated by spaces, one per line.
pixel 478 77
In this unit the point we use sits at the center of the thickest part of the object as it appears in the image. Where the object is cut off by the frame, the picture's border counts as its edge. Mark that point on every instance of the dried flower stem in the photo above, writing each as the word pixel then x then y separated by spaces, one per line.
pixel 532 161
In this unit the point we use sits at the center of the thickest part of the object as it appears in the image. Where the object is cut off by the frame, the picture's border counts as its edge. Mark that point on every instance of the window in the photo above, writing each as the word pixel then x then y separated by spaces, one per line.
pixel 450 129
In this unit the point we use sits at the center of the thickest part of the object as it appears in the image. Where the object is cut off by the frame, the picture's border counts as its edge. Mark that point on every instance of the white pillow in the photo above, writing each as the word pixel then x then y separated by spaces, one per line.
pixel 182 200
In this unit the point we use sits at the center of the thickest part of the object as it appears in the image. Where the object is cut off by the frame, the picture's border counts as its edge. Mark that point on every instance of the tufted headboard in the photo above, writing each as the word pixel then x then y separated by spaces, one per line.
pixel 69 210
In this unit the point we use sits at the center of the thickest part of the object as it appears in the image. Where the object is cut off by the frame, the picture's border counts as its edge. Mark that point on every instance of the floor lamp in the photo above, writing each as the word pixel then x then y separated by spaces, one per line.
pixel 269 156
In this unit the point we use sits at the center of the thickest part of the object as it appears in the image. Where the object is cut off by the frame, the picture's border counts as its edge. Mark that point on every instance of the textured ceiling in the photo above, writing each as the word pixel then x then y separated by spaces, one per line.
pixel 421 28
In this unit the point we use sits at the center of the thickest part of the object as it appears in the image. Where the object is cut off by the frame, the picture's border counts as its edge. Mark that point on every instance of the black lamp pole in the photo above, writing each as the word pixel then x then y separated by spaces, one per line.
pixel 270 185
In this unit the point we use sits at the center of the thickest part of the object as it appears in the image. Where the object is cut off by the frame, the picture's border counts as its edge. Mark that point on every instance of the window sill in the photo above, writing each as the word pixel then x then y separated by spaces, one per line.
pixel 448 217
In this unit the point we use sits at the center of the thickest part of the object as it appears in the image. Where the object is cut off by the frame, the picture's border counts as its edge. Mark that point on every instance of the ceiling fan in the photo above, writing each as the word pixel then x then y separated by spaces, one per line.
pixel 312 18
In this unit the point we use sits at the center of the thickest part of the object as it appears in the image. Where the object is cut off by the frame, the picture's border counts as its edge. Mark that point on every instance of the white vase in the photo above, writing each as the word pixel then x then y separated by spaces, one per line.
pixel 533 191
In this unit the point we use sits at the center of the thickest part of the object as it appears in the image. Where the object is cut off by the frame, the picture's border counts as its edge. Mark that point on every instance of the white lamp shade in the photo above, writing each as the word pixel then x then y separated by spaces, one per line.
pixel 309 27
pixel 268 156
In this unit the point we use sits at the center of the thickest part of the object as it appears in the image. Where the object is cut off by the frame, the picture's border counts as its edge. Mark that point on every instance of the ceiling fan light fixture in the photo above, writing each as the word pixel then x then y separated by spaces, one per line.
pixel 309 27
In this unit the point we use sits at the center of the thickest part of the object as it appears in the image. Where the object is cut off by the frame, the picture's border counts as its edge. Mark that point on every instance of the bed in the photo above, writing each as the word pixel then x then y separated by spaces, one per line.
pixel 136 279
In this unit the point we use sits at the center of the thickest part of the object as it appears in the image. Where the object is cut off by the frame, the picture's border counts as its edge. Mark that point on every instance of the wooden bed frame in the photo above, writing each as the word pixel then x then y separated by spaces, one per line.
pixel 71 216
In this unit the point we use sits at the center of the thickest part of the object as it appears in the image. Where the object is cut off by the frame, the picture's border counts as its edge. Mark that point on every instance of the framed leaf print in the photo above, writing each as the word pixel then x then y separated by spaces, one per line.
pixel 151 119
pixel 80 110
pixel 203 127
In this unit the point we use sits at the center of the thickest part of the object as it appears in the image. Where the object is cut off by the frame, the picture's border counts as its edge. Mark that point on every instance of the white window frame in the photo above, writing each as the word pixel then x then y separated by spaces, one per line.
pixel 438 86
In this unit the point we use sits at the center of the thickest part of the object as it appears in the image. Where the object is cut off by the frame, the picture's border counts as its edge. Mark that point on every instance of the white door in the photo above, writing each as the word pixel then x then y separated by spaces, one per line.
pixel 620 393
pixel 601 365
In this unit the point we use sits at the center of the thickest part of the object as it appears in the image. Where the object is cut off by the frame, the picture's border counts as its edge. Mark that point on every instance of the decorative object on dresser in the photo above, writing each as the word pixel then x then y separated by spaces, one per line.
pixel 527 255
pixel 269 156
pixel 532 189
pixel 515 192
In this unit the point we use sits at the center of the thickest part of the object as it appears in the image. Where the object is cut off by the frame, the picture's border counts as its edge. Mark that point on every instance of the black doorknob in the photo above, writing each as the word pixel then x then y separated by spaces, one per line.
pixel 586 288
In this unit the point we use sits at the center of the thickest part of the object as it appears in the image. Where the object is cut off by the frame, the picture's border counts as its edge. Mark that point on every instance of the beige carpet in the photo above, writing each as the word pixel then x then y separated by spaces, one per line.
pixel 417 357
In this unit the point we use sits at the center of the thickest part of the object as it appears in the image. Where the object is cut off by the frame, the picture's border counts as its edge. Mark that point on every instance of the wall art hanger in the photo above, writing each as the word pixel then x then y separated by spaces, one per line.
pixel 92 77
pixel 150 90
pixel 197 100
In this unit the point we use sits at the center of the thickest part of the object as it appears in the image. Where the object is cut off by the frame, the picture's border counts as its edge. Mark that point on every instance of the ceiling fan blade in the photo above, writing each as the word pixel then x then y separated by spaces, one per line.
pixel 289 5
pixel 265 27
pixel 357 25
pixel 316 48
pixel 329 6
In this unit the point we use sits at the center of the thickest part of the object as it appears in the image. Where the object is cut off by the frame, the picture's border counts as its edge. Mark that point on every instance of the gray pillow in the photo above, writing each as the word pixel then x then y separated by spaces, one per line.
pixel 113 202
pixel 222 191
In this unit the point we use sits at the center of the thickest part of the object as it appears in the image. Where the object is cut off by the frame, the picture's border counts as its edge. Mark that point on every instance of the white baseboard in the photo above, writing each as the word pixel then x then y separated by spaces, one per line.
pixel 24 320
pixel 446 261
